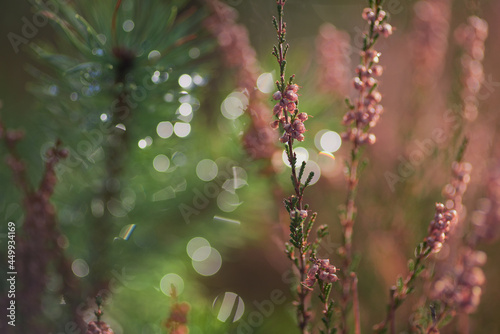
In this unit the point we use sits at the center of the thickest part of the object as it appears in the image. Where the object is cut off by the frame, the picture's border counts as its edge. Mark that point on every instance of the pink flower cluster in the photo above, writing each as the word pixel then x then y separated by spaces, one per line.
pixel 429 40
pixel 486 219
pixel 439 228
pixel 98 327
pixel 293 124
pixel 334 59
pixel 367 109
pixel 463 287
pixel 238 54
pixel 455 190
pixel 321 270
pixel 377 18
pixel 471 37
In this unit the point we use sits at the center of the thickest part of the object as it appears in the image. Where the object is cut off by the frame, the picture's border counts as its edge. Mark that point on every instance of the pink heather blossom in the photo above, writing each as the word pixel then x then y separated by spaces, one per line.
pixel 320 270
pixel 98 327
pixel 429 40
pixel 439 228
pixel 471 37
pixel 333 49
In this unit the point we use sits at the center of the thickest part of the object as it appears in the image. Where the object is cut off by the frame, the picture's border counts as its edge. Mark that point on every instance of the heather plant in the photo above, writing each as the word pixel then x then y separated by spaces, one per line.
pixel 166 179
pixel 301 251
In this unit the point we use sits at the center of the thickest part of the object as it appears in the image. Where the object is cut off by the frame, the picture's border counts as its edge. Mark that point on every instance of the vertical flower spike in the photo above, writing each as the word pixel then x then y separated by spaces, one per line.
pixel 177 320
pixel 461 290
pixel 300 250
pixel 429 40
pixel 238 54
pixel 363 114
pixel 439 228
pixel 471 37
pixel 333 48
pixel 455 190
pixel 486 220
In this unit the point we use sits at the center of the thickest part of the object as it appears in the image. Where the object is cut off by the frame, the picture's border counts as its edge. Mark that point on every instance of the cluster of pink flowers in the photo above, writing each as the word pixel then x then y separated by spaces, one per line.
pixel 377 18
pixel 367 109
pixel 177 321
pixel 321 270
pixel 99 327
pixel 238 54
pixel 462 289
pixel 439 228
pixel 429 40
pixel 471 37
pixel 233 41
pixel 334 59
pixel 455 190
pixel 293 124
pixel 486 220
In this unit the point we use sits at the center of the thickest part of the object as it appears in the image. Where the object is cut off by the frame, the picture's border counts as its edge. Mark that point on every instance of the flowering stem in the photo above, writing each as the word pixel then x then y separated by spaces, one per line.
pixel 357 316
pixel 288 116
pixel 439 230
pixel 362 116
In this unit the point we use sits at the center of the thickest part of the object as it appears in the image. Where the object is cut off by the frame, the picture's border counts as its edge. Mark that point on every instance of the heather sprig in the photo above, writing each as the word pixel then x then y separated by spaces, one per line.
pixel 177 319
pixel 41 235
pixel 300 250
pixel 362 115
pixel 471 37
pixel 99 326
pixel 439 229
pixel 238 54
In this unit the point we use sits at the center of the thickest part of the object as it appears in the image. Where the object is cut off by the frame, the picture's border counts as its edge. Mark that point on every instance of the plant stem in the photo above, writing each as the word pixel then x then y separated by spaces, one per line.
pixel 302 305
pixel 357 316
pixel 399 294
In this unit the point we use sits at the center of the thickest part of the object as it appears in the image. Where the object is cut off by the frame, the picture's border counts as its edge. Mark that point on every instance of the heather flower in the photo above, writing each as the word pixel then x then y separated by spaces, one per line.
pixel 462 288
pixel 293 125
pixel 429 40
pixel 238 54
pixel 320 270
pixel 471 37
pixel 177 319
pixel 98 327
pixel 486 219
pixel 40 235
pixel 455 190
pixel 439 228
pixel 334 50
pixel 365 112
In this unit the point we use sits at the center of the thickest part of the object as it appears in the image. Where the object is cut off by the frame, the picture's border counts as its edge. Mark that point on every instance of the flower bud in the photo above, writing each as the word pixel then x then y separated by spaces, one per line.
pixel 291 95
pixel 303 116
pixel 291 107
pixel 368 14
pixel 381 15
pixel 385 29
pixel 357 83
pixel 277 108
pixel 277 96
pixel 300 137
pixel 377 70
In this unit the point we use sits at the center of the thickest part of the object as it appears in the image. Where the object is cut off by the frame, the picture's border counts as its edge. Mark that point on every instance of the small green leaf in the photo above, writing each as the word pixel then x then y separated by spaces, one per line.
pixel 411 265
pixel 418 250
pixel 302 168
pixel 399 284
